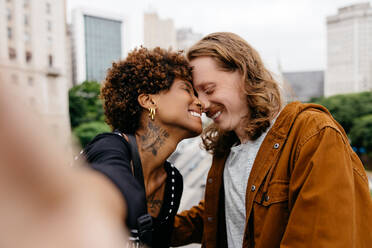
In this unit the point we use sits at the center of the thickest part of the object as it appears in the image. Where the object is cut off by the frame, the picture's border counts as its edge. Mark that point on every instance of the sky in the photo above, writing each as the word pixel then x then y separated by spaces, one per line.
pixel 290 34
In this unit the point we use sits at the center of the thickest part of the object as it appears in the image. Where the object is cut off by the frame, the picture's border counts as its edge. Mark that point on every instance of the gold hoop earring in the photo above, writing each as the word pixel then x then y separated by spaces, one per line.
pixel 152 113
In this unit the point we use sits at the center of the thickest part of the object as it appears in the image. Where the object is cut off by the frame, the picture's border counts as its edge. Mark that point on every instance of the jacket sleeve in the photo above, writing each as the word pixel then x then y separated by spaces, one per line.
pixel 188 226
pixel 325 191
pixel 110 156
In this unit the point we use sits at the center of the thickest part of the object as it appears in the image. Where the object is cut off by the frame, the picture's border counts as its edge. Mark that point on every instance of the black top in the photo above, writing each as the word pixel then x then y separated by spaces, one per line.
pixel 110 154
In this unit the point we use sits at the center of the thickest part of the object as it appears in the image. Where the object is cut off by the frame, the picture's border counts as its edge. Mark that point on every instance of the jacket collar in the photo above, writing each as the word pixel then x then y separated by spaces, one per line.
pixel 288 116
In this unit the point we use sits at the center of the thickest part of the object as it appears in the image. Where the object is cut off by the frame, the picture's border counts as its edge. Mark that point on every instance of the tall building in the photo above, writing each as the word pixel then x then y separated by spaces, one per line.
pixel 186 38
pixel 349 50
pixel 34 57
pixel 159 32
pixel 98 40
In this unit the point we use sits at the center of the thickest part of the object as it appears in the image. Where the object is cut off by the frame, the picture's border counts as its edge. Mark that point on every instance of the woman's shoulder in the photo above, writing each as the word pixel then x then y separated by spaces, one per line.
pixel 107 139
pixel 106 143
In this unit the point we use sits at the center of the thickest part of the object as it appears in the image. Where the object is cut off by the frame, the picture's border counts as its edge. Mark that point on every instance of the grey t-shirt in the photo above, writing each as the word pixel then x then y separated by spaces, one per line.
pixel 236 173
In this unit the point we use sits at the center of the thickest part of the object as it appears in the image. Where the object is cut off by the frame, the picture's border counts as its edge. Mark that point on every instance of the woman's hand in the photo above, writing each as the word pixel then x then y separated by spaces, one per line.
pixel 43 201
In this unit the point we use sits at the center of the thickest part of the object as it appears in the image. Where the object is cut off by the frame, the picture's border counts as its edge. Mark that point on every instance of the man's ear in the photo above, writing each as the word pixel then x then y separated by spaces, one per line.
pixel 146 101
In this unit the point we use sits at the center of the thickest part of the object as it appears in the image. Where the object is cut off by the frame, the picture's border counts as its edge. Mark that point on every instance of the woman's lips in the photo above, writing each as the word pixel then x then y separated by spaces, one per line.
pixel 196 114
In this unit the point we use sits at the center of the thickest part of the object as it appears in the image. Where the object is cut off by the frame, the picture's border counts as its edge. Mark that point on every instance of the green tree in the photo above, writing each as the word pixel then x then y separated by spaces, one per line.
pixel 87 131
pixel 84 103
pixel 361 133
pixel 86 112
pixel 346 108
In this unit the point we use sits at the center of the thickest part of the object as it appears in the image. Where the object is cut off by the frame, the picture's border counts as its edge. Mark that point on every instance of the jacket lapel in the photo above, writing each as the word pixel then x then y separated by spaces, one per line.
pixel 267 157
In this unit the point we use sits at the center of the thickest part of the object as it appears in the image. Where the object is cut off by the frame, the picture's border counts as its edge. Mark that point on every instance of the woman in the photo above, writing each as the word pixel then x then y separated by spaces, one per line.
pixel 280 177
pixel 149 97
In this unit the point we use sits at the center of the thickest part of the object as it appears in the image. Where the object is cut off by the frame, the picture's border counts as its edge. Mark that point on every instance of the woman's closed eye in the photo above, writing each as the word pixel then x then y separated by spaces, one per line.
pixel 190 91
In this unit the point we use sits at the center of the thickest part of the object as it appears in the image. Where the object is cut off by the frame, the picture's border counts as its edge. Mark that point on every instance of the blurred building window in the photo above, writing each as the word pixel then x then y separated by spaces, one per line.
pixel 28 56
pixel 26 20
pixel 9 14
pixel 49 26
pixel 49 41
pixel 10 33
pixel 48 8
pixel 50 58
pixel 102 45
pixel 12 53
pixel 30 81
pixel 27 37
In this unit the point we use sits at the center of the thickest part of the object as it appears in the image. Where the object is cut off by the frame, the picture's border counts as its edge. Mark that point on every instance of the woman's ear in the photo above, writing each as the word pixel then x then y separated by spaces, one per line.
pixel 146 101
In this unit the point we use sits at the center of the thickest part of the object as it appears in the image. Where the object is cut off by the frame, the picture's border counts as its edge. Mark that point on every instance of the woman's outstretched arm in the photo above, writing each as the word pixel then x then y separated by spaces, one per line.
pixel 43 201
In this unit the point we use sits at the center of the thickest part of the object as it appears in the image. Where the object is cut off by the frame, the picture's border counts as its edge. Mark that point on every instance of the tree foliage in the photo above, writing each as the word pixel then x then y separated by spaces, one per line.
pixel 346 108
pixel 361 132
pixel 84 103
pixel 87 131
pixel 86 112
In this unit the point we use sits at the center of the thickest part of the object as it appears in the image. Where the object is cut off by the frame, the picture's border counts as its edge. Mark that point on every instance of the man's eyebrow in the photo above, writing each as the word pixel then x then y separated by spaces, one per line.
pixel 202 85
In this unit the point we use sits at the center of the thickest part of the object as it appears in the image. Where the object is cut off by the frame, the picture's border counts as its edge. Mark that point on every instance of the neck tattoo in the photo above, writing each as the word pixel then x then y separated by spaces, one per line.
pixel 154 138
pixel 154 205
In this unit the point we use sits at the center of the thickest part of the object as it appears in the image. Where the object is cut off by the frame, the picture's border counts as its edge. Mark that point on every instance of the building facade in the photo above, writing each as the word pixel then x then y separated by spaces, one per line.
pixel 159 32
pixel 34 57
pixel 186 38
pixel 99 39
pixel 349 50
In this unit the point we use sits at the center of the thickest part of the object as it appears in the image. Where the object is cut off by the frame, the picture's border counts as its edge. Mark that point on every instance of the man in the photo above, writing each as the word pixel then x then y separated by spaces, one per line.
pixel 280 177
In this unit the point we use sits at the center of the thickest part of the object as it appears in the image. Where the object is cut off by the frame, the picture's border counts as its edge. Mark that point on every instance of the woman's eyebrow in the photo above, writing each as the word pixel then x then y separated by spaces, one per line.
pixel 187 84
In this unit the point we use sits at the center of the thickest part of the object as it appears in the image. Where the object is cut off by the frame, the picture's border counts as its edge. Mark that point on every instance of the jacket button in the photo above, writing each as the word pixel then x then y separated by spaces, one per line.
pixel 210 180
pixel 210 219
pixel 276 146
pixel 253 188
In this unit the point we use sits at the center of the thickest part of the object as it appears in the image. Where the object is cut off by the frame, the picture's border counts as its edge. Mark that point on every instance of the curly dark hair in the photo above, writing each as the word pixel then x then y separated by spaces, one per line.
pixel 144 71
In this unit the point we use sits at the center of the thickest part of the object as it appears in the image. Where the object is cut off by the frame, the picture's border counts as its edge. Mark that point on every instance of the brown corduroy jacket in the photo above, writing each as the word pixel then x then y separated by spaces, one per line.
pixel 307 188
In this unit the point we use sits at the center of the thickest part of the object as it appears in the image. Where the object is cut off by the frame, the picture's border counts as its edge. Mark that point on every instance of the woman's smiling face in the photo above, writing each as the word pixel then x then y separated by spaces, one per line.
pixel 180 109
pixel 222 94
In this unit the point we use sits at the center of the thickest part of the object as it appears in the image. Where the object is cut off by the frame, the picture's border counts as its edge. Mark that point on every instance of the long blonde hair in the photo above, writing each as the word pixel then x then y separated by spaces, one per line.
pixel 232 53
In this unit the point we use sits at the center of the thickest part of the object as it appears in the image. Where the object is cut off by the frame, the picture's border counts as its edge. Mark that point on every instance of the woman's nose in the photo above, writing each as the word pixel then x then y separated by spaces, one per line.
pixel 204 102
pixel 200 105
